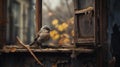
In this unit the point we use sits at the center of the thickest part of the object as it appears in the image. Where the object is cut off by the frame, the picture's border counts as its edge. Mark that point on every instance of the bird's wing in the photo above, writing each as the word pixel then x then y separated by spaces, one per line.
pixel 44 37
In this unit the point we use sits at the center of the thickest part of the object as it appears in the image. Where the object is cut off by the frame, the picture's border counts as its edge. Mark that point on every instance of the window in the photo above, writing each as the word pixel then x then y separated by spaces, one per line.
pixel 21 21
pixel 59 15
pixel 85 21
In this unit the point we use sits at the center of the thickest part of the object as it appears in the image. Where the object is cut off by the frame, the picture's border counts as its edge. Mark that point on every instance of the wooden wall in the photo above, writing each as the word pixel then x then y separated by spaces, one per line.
pixel 24 59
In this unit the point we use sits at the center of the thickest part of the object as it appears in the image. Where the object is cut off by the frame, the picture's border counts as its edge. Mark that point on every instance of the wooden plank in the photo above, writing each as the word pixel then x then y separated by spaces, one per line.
pixel 3 21
pixel 86 40
pixel 84 10
pixel 38 14
pixel 8 49
pixel 102 30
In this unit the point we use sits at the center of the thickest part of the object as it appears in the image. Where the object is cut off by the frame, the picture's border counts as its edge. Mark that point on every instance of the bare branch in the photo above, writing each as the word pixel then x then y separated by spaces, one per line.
pixel 49 9
pixel 68 7
pixel 39 62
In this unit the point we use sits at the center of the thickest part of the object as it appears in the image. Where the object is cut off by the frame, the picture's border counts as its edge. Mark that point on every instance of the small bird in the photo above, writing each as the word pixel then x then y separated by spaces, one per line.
pixel 42 36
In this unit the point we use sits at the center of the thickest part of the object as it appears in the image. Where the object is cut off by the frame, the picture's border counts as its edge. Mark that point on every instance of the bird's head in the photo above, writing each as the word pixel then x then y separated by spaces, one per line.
pixel 45 28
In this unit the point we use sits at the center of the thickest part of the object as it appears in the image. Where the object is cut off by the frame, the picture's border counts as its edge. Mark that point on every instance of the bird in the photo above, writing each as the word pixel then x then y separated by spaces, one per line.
pixel 42 36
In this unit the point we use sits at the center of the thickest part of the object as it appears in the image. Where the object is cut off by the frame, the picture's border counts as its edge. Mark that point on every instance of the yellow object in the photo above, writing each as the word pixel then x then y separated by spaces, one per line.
pixel 55 22
pixel 64 25
pixel 60 28
pixel 65 35
pixel 54 35
pixel 66 40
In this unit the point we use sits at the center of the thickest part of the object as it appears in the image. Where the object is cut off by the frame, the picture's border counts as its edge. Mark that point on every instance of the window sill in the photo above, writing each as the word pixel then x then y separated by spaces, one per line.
pixel 12 49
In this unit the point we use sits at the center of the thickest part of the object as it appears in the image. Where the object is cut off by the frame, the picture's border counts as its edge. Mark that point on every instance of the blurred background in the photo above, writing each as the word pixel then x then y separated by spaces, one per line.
pixel 58 14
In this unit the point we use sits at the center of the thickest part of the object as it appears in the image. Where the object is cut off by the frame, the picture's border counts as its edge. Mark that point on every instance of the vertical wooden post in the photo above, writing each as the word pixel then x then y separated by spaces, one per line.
pixel 38 14
pixel 3 20
pixel 102 16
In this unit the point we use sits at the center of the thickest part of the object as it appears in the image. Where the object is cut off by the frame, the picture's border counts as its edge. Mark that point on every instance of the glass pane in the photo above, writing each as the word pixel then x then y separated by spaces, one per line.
pixel 21 16
pixel 85 3
pixel 58 14
pixel 86 24
pixel 85 18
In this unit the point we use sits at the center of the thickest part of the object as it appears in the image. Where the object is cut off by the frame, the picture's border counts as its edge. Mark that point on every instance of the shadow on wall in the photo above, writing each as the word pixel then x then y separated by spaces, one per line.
pixel 117 5
pixel 115 43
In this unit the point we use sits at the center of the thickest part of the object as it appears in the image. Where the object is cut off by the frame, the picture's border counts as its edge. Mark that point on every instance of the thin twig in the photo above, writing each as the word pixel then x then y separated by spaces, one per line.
pixel 68 7
pixel 39 62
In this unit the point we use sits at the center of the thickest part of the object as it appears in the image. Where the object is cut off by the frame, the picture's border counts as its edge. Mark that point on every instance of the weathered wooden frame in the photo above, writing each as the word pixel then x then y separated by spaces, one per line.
pixel 78 39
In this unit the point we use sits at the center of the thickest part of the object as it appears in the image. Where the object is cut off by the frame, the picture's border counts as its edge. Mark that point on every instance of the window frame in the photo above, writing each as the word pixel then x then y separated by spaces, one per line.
pixel 38 15
pixel 87 40
pixel 76 38
pixel 3 22
pixel 97 9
